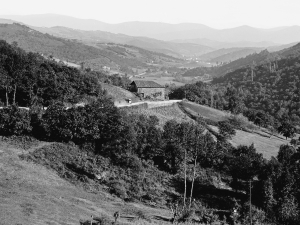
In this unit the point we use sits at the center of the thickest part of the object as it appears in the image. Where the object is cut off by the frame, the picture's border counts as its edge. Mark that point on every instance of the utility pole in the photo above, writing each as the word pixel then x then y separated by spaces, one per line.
pixel 250 205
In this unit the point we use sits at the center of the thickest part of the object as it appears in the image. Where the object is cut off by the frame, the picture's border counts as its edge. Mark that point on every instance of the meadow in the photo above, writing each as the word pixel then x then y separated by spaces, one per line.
pixel 264 143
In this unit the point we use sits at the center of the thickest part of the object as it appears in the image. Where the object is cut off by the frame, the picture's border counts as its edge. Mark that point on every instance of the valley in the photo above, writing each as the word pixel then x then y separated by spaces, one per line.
pixel 148 123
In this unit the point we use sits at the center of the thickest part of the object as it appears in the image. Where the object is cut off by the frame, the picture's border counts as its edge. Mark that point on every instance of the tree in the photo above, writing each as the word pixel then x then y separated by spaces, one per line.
pixel 286 128
pixel 198 145
pixel 226 130
pixel 5 80
pixel 246 162
pixel 235 101
pixel 14 121
pixel 172 151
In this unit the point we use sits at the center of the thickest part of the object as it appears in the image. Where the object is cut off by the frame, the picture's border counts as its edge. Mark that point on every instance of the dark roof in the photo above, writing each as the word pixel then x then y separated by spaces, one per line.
pixel 146 84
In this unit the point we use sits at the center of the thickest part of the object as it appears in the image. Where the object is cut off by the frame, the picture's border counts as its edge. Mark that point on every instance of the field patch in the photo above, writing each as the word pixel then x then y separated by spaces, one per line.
pixel 163 113
pixel 204 111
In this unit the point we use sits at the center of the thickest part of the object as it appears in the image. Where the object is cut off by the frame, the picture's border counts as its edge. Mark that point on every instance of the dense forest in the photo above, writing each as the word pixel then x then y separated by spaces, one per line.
pixel 134 142
pixel 272 87
pixel 29 79
pixel 251 60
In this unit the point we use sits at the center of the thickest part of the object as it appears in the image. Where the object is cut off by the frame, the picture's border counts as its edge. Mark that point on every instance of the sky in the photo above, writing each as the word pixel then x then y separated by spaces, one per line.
pixel 219 14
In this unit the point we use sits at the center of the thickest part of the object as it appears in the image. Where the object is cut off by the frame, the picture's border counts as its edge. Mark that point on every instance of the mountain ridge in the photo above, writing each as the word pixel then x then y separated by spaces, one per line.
pixel 165 31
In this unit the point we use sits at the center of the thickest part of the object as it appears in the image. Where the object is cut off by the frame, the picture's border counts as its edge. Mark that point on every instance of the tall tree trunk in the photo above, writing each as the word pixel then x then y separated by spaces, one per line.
pixel 194 174
pixel 184 196
pixel 6 96
pixel 15 90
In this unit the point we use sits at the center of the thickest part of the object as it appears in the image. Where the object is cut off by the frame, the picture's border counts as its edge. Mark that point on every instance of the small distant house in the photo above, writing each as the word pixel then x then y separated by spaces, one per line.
pixel 148 89
pixel 106 68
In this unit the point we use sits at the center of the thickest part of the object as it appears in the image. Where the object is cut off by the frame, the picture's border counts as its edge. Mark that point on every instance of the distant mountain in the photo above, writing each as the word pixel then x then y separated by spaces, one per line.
pixel 167 32
pixel 228 54
pixel 7 21
pixel 117 57
pixel 170 48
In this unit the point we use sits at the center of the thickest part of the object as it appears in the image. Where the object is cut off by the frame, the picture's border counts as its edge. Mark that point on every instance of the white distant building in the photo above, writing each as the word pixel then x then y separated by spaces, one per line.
pixel 106 68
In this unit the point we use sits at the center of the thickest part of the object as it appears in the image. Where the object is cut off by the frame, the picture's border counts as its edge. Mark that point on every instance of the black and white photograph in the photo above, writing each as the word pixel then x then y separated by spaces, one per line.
pixel 150 112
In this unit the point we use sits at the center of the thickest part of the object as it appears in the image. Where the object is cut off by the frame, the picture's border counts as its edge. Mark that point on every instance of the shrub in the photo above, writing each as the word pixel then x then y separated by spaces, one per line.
pixel 141 215
pixel 118 188
pixel 132 162
pixel 14 121
pixel 241 122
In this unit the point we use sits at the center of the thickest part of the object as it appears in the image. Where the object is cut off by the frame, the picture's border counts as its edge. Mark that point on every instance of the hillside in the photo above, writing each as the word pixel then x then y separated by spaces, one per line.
pixel 275 85
pixel 120 58
pixel 35 194
pixel 232 56
pixel 264 143
pixel 227 54
pixel 169 48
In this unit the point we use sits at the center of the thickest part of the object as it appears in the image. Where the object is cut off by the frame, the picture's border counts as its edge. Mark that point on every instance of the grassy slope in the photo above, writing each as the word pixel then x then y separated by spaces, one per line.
pixel 265 145
pixel 33 194
pixel 204 111
pixel 164 113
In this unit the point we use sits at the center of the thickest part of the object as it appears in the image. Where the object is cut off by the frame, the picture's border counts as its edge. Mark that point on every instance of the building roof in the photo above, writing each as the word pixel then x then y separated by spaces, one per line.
pixel 146 84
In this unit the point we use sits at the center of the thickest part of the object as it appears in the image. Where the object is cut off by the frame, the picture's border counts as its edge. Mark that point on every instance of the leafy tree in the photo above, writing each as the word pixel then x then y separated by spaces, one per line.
pixel 246 162
pixel 287 129
pixel 172 151
pixel 226 130
pixel 14 121
pixel 235 101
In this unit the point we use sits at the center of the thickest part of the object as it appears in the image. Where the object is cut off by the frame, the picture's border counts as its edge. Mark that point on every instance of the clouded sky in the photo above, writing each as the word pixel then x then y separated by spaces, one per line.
pixel 214 13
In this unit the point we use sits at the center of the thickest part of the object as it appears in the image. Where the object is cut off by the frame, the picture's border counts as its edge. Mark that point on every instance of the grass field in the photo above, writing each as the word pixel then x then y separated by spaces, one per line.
pixel 204 111
pixel 164 113
pixel 32 194
pixel 263 144
pixel 267 146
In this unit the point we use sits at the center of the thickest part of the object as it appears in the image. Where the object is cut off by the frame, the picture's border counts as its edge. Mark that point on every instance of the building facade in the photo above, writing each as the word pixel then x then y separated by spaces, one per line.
pixel 148 89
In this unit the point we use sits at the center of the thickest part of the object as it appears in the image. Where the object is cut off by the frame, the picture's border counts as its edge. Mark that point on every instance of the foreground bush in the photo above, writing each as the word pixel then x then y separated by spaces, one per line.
pixel 14 121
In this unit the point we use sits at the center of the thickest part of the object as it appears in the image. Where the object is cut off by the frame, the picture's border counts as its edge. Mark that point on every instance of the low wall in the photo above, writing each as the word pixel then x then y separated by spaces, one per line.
pixel 149 105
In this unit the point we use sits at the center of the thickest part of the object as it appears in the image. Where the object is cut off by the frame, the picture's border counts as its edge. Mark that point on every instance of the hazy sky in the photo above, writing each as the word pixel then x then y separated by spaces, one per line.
pixel 214 13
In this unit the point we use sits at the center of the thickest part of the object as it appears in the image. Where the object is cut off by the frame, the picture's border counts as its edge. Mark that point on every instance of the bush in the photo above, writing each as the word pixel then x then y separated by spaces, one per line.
pixel 118 188
pixel 14 121
pixel 241 122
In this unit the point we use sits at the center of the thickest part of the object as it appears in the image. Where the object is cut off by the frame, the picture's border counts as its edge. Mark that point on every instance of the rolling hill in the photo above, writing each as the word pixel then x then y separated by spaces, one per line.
pixel 250 60
pixel 228 54
pixel 170 48
pixel 118 57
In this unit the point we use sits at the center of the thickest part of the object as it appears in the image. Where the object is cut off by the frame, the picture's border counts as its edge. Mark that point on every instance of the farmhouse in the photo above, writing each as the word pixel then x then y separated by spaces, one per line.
pixel 148 89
